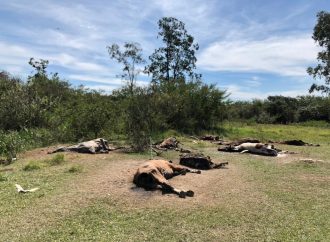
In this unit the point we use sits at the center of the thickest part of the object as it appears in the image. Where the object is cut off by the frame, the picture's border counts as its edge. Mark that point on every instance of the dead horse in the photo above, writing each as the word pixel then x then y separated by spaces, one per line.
pixel 153 174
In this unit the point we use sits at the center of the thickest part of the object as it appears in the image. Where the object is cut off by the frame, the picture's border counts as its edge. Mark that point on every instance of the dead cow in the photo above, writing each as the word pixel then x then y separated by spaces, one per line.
pixel 92 146
pixel 199 161
pixel 297 143
pixel 209 138
pixel 154 174
pixel 254 148
pixel 169 143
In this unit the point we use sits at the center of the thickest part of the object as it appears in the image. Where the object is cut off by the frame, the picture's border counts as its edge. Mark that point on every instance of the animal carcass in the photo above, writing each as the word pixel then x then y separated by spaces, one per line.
pixel 154 174
pixel 169 143
pixel 92 146
pixel 199 161
pixel 254 148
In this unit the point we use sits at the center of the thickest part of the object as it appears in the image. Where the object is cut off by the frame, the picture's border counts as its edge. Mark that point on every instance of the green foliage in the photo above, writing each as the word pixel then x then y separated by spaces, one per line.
pixel 188 106
pixel 279 109
pixel 131 58
pixel 176 60
pixel 31 166
pixel 56 160
pixel 321 35
pixel 10 144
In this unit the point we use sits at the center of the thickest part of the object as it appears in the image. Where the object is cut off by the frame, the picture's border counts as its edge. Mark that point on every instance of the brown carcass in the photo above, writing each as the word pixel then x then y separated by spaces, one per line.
pixel 154 174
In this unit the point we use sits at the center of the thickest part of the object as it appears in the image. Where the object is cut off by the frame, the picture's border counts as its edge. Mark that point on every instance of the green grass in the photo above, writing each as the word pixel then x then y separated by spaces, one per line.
pixel 3 178
pixel 76 169
pixel 271 200
pixel 56 160
pixel 265 132
pixel 32 165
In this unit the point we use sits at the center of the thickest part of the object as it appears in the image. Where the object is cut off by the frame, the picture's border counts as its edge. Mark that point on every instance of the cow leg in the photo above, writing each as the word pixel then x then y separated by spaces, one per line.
pixel 167 187
pixel 182 169
pixel 182 194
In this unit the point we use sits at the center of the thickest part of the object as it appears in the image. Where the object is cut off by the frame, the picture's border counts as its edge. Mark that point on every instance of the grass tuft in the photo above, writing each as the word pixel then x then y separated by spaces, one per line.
pixel 3 178
pixel 76 169
pixel 56 160
pixel 31 166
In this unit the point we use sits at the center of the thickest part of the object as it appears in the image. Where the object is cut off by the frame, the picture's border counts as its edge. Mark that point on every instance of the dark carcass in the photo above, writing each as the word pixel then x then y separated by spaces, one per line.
pixel 199 161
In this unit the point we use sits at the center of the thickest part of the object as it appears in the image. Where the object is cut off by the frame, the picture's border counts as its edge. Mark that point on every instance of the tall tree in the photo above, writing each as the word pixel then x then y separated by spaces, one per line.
pixel 176 59
pixel 321 35
pixel 131 58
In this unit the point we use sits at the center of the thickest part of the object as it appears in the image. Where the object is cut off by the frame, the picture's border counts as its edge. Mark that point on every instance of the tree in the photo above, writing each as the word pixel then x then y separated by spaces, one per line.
pixel 176 59
pixel 284 110
pixel 133 99
pixel 322 36
pixel 131 58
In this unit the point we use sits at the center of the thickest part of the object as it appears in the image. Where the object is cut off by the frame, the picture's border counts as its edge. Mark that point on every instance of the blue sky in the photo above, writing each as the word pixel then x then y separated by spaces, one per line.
pixel 251 48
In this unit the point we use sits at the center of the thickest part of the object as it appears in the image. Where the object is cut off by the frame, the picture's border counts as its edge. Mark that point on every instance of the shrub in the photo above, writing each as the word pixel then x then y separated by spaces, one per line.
pixel 10 144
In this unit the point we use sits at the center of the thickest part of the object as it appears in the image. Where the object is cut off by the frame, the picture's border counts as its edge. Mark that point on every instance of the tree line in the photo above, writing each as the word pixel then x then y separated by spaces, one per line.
pixel 281 110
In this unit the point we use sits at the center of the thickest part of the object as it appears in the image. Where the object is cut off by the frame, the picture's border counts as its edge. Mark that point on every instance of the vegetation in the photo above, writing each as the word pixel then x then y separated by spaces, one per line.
pixel 56 160
pixel 176 60
pixel 321 35
pixel 76 169
pixel 281 110
pixel 31 166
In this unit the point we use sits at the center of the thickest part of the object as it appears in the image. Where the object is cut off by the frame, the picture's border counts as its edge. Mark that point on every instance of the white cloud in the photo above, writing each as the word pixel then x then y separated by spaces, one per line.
pixel 287 56
pixel 109 80
pixel 105 88
pixel 253 83
pixel 99 79
pixel 244 93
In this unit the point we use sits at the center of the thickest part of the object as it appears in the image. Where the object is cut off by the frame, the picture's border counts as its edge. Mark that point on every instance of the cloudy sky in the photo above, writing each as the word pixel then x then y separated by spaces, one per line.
pixel 252 48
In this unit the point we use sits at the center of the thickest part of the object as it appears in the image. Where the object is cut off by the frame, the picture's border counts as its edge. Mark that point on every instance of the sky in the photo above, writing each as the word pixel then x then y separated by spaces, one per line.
pixel 251 48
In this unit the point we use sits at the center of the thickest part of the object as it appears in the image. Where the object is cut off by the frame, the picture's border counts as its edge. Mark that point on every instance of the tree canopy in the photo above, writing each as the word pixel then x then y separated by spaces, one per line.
pixel 321 35
pixel 176 59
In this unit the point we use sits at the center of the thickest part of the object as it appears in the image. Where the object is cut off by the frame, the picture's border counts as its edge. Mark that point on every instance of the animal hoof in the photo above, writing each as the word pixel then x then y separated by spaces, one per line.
pixel 190 193
pixel 182 195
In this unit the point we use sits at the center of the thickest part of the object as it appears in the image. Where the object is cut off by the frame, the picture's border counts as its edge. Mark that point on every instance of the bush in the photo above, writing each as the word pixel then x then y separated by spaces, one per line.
pixel 10 144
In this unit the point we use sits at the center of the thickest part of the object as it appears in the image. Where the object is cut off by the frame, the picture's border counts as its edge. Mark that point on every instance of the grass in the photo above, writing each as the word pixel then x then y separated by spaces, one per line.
pixel 56 160
pixel 267 200
pixel 3 178
pixel 76 169
pixel 265 132
pixel 32 165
